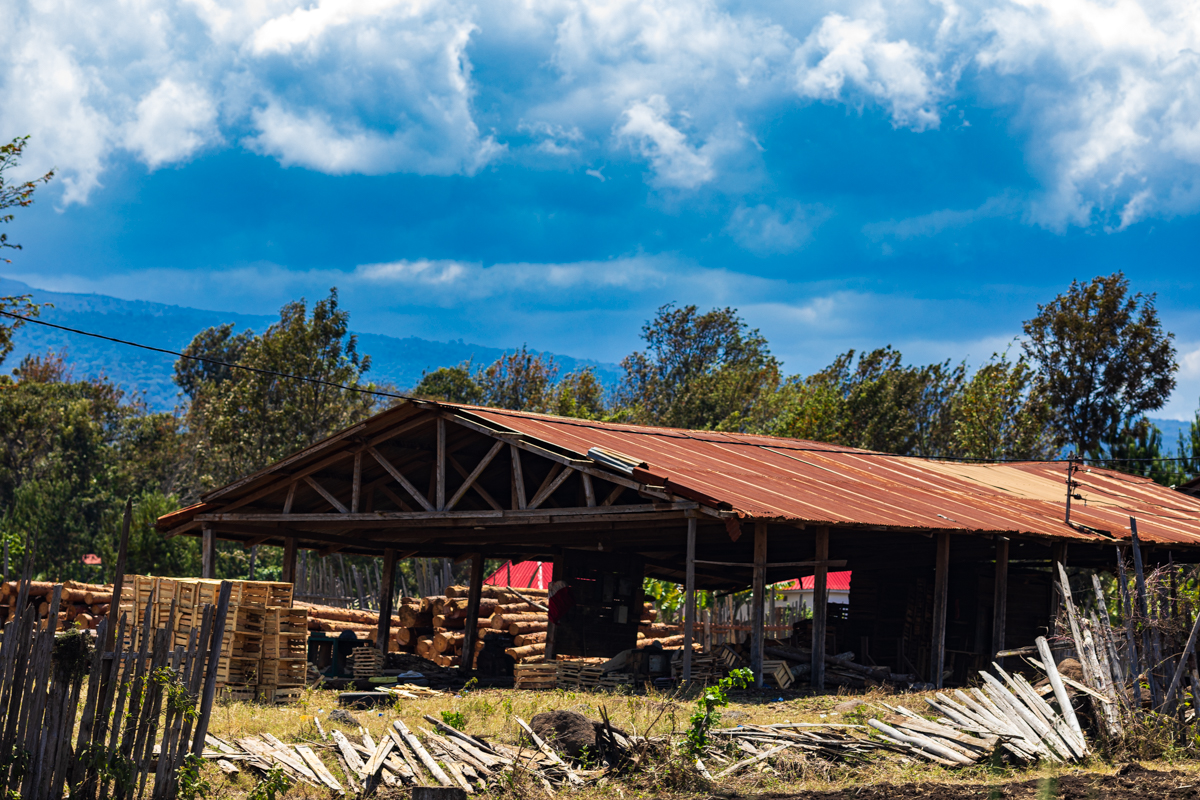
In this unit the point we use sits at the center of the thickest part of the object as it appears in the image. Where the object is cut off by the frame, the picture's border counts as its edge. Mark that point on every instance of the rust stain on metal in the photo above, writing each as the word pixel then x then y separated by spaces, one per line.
pixel 806 482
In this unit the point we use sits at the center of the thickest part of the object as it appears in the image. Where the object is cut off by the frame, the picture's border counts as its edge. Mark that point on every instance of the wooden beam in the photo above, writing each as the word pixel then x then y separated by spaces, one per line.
pixel 474 476
pixel 487 497
pixel 518 479
pixel 613 495
pixel 548 488
pixel 400 479
pixel 433 518
pixel 756 601
pixel 834 562
pixel 589 491
pixel 440 464
pixel 583 465
pixel 324 444
pixel 941 586
pixel 384 633
pixel 208 552
pixel 1000 597
pixel 474 592
pixel 321 490
pixel 257 540
pixel 397 499
pixel 335 548
pixel 291 497
pixel 289 560
pixel 820 609
pixel 356 492
pixel 689 601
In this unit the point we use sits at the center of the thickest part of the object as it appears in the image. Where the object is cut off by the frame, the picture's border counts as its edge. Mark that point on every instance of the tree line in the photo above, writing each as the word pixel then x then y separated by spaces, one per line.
pixel 1093 362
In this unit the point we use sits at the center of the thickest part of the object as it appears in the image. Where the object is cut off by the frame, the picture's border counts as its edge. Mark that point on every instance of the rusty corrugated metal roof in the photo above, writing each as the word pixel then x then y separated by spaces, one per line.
pixel 816 483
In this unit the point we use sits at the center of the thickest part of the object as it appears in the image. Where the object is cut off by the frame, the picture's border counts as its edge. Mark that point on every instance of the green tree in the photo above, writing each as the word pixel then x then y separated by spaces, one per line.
pixel 62 475
pixel 246 420
pixel 14 195
pixel 700 371
pixel 213 352
pixel 1137 449
pixel 450 384
pixel 1103 357
pixel 1002 413
pixel 521 381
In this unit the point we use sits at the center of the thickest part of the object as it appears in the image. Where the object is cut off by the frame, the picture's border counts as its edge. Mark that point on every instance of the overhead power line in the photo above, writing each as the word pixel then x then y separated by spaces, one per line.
pixel 395 396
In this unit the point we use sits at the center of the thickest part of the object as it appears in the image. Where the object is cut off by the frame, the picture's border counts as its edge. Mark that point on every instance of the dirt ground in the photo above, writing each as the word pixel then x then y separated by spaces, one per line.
pixel 1130 782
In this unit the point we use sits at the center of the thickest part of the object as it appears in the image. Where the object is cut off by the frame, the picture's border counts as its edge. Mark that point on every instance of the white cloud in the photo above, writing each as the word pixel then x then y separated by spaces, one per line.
pixel 676 163
pixel 171 123
pixel 765 230
pixel 845 55
pixel 1103 94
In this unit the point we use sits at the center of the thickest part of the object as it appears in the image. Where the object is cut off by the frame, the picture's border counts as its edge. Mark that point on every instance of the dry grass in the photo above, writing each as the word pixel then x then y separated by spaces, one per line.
pixel 489 713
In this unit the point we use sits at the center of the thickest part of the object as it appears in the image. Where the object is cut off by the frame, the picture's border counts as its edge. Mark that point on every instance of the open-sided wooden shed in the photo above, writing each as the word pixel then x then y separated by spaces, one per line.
pixel 710 510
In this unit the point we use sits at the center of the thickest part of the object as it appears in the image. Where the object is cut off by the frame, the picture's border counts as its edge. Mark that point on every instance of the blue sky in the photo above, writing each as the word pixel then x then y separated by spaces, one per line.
pixel 550 171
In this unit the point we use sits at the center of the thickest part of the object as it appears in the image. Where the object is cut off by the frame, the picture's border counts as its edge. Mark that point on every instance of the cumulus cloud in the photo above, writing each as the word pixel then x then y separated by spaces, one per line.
pixel 844 56
pixel 677 164
pixel 1104 95
pixel 171 123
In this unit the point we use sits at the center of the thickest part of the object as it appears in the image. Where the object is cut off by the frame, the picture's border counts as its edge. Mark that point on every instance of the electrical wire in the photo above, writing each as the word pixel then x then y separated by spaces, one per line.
pixel 502 411
pixel 207 360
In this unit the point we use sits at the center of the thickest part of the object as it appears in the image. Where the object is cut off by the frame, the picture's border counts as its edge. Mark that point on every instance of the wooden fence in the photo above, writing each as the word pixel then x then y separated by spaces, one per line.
pixel 144 711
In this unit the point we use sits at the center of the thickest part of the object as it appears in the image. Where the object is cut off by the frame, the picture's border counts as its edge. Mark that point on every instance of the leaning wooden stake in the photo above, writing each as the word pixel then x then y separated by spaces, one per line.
pixel 1060 691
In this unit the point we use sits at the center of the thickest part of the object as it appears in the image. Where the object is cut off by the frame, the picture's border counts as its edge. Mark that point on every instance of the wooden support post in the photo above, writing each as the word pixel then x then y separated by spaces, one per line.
pixel 356 491
pixel 471 634
pixel 1000 597
pixel 440 466
pixel 689 600
pixel 820 607
pixel 384 634
pixel 1058 555
pixel 208 552
pixel 289 560
pixel 941 586
pixel 756 601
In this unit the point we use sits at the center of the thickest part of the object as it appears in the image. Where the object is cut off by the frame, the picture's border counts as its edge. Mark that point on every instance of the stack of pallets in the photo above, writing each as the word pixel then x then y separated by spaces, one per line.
pixel 367 662
pixel 535 676
pixel 264 649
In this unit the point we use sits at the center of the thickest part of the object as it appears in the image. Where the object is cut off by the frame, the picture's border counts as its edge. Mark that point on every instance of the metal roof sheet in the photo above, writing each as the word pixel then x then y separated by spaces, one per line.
pixel 523 575
pixel 816 483
pixel 834 582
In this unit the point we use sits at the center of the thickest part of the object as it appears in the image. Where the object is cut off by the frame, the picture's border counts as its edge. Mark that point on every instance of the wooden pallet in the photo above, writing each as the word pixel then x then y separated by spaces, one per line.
pixel 279 695
pixel 243 645
pixel 367 662
pixel 238 670
pixel 535 676
pixel 247 618
pixel 235 693
pixel 780 672
pixel 284 646
pixel 283 672
pixel 286 620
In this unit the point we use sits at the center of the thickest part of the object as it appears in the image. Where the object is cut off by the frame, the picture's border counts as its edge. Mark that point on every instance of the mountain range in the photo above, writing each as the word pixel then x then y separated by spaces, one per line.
pixel 394 359
pixel 397 360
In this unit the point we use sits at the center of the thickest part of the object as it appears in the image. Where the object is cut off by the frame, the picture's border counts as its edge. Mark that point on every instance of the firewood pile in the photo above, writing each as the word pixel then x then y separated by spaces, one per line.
pixel 83 605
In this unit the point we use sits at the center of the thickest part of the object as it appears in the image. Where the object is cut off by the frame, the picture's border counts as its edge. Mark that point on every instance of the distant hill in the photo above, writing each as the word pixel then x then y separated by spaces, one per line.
pixel 395 360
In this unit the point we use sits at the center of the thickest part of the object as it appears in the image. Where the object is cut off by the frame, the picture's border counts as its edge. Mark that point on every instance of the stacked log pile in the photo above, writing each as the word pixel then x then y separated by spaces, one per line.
pixel 83 604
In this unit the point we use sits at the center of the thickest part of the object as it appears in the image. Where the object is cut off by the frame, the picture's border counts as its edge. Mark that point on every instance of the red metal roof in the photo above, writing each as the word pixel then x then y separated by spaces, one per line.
pixel 523 575
pixel 812 482
pixel 835 582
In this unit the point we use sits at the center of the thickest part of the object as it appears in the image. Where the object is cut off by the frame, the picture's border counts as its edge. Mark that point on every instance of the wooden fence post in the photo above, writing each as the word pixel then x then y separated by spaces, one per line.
pixel 689 602
pixel 756 602
pixel 820 609
pixel 941 585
